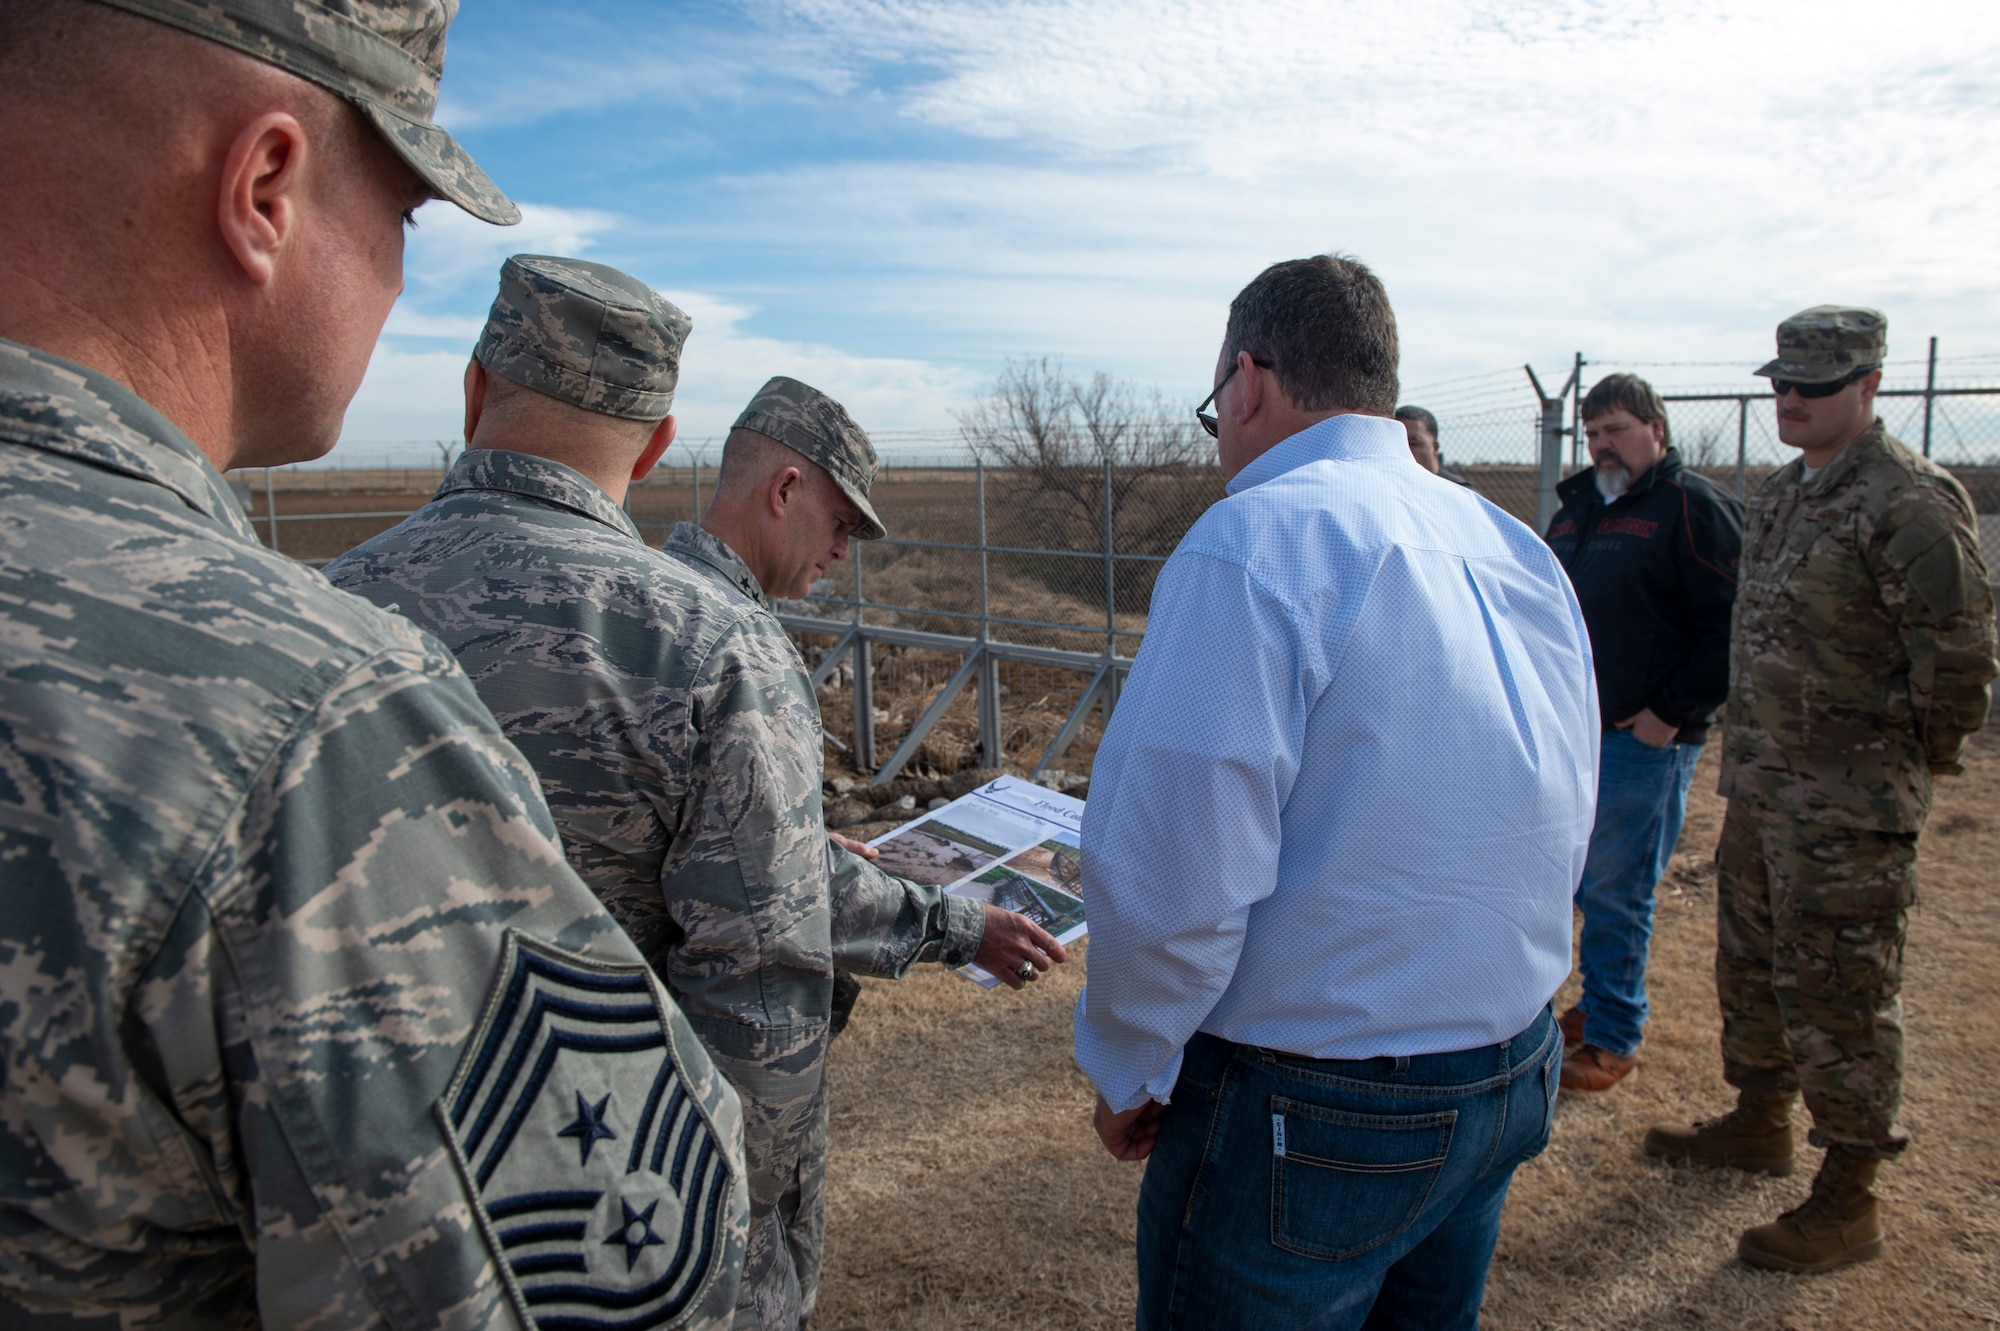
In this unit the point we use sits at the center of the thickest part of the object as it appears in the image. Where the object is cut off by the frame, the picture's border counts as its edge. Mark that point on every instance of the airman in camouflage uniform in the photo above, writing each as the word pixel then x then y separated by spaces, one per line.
pixel 304 1018
pixel 1861 656
pixel 672 724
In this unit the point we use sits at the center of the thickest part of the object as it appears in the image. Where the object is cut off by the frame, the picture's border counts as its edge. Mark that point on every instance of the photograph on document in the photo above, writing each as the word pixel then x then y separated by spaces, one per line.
pixel 1056 862
pixel 1056 911
pixel 956 841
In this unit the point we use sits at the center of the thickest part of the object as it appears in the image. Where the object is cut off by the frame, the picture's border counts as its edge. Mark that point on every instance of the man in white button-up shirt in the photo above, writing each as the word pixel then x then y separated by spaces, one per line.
pixel 1326 1021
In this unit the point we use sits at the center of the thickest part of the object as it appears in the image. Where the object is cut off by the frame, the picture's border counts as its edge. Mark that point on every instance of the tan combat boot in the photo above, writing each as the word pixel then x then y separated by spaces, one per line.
pixel 1756 1135
pixel 1839 1223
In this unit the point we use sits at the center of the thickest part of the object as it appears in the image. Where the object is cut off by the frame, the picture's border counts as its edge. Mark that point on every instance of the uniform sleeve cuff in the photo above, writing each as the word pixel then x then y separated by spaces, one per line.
pixel 964 929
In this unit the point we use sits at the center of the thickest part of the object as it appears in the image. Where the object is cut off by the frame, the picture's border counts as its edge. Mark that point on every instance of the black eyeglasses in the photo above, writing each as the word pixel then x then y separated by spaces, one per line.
pixel 1780 387
pixel 1208 422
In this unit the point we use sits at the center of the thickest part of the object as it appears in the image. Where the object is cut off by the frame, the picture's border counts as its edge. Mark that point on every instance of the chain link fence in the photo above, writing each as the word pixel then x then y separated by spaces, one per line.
pixel 997 620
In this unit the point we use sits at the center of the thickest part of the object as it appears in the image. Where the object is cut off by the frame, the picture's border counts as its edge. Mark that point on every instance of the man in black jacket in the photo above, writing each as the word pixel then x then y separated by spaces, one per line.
pixel 1651 549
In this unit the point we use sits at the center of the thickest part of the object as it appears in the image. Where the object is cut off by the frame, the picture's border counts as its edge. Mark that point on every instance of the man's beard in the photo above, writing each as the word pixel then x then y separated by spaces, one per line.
pixel 1614 478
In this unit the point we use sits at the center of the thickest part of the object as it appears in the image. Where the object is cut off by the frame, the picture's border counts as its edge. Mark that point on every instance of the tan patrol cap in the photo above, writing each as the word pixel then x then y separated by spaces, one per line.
pixel 807 421
pixel 384 56
pixel 1829 342
pixel 585 334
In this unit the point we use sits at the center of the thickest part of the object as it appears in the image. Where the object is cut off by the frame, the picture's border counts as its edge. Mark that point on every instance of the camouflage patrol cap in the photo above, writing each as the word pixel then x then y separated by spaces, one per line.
pixel 1829 342
pixel 384 56
pixel 585 334
pixel 807 421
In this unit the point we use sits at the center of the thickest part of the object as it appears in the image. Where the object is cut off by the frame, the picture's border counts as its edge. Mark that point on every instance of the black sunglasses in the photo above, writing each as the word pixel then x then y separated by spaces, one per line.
pixel 1780 387
pixel 1208 422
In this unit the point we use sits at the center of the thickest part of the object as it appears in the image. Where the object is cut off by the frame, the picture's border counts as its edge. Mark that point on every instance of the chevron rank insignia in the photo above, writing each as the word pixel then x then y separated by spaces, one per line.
pixel 602 1186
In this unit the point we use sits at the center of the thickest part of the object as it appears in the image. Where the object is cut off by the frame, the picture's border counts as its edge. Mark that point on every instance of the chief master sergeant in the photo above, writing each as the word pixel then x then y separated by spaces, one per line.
pixel 663 706
pixel 1861 658
pixel 265 856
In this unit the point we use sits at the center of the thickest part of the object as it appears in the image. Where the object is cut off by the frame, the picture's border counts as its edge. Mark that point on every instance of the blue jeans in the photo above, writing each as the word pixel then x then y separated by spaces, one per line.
pixel 1642 795
pixel 1329 1194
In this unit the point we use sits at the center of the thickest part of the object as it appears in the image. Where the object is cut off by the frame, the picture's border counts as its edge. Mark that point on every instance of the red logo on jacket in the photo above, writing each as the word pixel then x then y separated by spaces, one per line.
pixel 1628 527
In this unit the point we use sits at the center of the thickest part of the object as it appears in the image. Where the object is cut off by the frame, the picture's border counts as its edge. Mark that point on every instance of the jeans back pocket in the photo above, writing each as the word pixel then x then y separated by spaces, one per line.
pixel 1343 1182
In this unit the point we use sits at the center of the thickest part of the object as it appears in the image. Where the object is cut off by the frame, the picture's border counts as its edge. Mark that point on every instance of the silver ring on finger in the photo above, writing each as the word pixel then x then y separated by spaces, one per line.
pixel 1026 970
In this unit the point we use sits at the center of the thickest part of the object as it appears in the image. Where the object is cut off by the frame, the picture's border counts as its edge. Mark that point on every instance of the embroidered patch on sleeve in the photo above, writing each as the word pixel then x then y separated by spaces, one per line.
pixel 601 1185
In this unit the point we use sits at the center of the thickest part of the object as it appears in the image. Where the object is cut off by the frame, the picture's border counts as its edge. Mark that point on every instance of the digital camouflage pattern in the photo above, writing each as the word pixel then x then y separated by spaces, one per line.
pixel 807 421
pixel 1863 640
pixel 272 880
pixel 384 56
pixel 1810 924
pixel 678 740
pixel 585 334
pixel 1829 342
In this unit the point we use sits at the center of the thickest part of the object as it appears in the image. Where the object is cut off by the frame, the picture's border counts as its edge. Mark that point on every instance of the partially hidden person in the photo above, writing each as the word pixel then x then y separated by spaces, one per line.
pixel 1651 548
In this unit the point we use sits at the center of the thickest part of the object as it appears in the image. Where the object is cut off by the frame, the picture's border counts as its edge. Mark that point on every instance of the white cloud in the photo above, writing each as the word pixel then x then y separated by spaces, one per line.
pixel 1631 155
pixel 451 247
pixel 407 398
pixel 411 397
pixel 723 364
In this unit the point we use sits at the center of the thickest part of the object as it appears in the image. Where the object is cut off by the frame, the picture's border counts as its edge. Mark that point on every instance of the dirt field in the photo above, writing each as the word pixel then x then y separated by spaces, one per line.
pixel 968 1190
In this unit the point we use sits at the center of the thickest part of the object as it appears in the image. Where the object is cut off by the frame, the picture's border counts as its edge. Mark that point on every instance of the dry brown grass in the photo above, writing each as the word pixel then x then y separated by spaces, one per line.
pixel 967 1188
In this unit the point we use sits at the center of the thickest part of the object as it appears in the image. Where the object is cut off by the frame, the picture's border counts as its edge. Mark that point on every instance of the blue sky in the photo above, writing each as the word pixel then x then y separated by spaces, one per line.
pixel 890 199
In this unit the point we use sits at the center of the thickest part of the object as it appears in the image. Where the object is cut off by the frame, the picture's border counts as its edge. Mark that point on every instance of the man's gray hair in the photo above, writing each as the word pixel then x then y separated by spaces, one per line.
pixel 1324 327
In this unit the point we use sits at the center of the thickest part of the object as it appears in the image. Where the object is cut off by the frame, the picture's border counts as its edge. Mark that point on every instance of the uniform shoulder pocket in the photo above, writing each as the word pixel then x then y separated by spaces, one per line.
pixel 1933 564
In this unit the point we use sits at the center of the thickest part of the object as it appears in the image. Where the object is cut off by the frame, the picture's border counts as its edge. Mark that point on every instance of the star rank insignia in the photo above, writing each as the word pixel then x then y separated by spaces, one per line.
pixel 602 1185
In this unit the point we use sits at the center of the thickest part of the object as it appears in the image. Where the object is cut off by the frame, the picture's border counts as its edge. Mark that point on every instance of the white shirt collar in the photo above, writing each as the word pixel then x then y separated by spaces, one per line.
pixel 1337 437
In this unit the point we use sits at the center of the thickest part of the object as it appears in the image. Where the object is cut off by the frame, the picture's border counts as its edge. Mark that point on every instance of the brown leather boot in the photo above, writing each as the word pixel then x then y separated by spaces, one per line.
pixel 1839 1223
pixel 1593 1068
pixel 1756 1135
pixel 1572 1027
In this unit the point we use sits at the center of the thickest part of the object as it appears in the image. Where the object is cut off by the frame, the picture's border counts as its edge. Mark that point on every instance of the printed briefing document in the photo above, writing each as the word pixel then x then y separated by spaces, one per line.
pixel 1009 842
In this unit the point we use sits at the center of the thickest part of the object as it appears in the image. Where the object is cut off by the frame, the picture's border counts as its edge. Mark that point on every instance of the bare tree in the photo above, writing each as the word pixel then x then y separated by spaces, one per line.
pixel 1066 448
pixel 1706 448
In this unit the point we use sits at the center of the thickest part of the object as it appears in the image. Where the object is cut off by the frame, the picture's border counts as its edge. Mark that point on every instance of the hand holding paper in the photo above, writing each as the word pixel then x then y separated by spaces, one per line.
pixel 1011 939
pixel 1013 846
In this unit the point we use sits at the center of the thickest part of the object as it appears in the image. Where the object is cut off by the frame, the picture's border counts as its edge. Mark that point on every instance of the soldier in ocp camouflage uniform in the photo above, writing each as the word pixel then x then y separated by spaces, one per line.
pixel 304 1018
pixel 666 711
pixel 1861 656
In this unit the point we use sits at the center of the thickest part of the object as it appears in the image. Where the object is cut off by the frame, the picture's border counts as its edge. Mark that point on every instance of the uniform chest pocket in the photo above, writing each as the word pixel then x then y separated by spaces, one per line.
pixel 1343 1182
pixel 1825 577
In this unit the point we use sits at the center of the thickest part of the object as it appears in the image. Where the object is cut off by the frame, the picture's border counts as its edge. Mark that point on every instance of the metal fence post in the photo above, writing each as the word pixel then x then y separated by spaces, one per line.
pixel 271 509
pixel 864 684
pixel 990 754
pixel 1742 440
pixel 1551 436
pixel 1110 574
pixel 1576 413
pixel 1930 396
pixel 694 479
